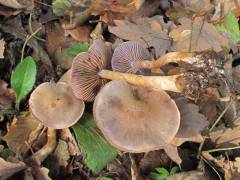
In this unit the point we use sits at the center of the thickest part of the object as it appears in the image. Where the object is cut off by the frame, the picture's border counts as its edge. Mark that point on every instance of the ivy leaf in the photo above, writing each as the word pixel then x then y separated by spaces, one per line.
pixel 76 49
pixel 230 27
pixel 23 78
pixel 96 151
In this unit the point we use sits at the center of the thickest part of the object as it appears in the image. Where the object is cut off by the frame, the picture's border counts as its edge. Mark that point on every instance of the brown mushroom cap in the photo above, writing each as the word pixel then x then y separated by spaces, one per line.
pixel 135 119
pixel 85 79
pixel 126 56
pixel 55 105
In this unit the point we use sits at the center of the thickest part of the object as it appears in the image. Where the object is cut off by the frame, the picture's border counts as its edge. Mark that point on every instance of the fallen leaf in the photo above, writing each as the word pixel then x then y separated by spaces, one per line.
pixel 231 169
pixel 19 132
pixel 57 44
pixel 150 32
pixel 190 175
pixel 80 33
pixel 61 153
pixel 154 159
pixel 192 122
pixel 2 47
pixel 96 151
pixel 14 27
pixel 194 5
pixel 7 96
pixel 17 4
pixel 172 152
pixel 113 9
pixel 224 137
pixel 7 169
pixel 198 35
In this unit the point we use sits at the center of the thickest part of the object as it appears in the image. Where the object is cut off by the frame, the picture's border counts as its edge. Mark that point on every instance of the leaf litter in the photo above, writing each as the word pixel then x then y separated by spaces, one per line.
pixel 208 130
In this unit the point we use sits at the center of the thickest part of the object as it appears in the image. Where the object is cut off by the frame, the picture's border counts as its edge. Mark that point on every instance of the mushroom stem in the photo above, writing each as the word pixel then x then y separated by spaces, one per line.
pixel 43 153
pixel 167 83
pixel 165 59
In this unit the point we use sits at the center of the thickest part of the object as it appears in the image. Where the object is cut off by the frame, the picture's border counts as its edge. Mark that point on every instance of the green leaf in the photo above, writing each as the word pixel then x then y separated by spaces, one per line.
pixel 105 178
pixel 162 171
pixel 174 170
pixel 156 176
pixel 230 27
pixel 159 174
pixel 7 152
pixel 60 7
pixel 96 151
pixel 76 49
pixel 23 78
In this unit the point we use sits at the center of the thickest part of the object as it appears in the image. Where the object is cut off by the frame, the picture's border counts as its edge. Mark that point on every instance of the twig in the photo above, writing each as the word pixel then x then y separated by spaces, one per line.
pixel 31 30
pixel 214 125
pixel 222 149
pixel 220 116
pixel 26 41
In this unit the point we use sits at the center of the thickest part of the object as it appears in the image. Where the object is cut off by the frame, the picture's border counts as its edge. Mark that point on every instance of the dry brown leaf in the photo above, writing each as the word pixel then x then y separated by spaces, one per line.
pixel 192 122
pixel 154 159
pixel 19 132
pixel 2 47
pixel 57 43
pixel 80 33
pixel 231 168
pixel 17 4
pixel 113 9
pixel 190 175
pixel 197 36
pixel 150 32
pixel 7 169
pixel 194 5
pixel 172 152
pixel 224 137
pixel 7 96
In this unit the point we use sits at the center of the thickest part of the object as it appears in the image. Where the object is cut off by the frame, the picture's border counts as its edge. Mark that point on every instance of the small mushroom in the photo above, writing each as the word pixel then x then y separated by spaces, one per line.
pixel 135 119
pixel 128 56
pixel 191 84
pixel 55 105
pixel 132 57
pixel 85 79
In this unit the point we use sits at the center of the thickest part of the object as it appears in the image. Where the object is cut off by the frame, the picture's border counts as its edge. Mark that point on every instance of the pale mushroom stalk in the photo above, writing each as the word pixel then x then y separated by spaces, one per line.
pixel 168 83
pixel 48 148
pixel 172 57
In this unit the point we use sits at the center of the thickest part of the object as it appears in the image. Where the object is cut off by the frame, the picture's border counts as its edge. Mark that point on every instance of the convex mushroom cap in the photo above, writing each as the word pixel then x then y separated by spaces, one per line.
pixel 55 105
pixel 85 79
pixel 127 56
pixel 135 119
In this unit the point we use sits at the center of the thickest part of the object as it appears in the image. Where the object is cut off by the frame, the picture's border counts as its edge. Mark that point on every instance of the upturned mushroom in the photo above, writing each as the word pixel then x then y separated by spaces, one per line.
pixel 191 84
pixel 135 119
pixel 85 68
pixel 202 72
pixel 128 58
pixel 131 57
pixel 55 105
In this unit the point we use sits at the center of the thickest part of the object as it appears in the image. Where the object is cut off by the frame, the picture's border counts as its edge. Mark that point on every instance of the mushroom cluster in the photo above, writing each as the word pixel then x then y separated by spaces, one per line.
pixel 133 111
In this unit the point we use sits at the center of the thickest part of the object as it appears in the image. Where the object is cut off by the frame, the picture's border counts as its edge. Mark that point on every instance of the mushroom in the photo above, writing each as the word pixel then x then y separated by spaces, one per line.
pixel 191 84
pixel 135 119
pixel 204 71
pixel 85 79
pixel 131 57
pixel 128 56
pixel 55 105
